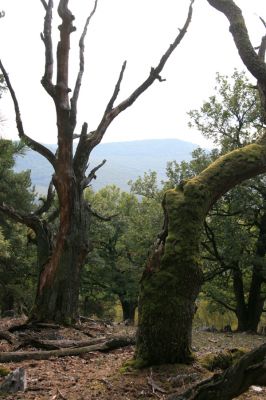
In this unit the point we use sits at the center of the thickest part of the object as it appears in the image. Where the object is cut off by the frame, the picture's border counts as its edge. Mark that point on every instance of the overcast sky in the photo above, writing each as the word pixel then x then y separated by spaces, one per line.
pixel 138 31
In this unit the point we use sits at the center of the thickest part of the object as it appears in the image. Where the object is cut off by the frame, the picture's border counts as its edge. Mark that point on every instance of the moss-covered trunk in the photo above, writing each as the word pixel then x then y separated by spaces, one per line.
pixel 171 283
pixel 173 276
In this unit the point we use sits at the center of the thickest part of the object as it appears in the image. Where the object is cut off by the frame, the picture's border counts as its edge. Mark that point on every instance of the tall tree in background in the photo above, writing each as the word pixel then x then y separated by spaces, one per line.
pixel 173 275
pixel 61 260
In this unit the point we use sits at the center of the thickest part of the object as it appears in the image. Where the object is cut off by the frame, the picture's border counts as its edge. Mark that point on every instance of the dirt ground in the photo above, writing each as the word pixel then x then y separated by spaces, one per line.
pixel 103 376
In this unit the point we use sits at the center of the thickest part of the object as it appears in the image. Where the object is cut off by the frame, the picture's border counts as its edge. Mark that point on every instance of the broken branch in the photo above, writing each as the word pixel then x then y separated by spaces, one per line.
pixel 92 175
pixel 109 345
pixel 44 151
pixel 112 112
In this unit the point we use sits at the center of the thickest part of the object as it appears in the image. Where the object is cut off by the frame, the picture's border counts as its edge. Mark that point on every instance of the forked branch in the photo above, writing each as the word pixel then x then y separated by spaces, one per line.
pixel 92 175
pixel 44 4
pixel 48 201
pixel 111 112
pixel 29 220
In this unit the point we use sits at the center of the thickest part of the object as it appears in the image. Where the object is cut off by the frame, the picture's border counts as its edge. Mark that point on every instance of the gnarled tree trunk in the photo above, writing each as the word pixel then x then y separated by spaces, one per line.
pixel 60 264
pixel 173 276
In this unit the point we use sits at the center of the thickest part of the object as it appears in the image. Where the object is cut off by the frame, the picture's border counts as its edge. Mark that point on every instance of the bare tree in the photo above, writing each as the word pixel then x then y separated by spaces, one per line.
pixel 61 259
pixel 173 275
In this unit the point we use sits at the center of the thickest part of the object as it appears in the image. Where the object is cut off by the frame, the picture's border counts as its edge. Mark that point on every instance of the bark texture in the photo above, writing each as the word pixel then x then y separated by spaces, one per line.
pixel 128 309
pixel 173 276
pixel 61 263
pixel 249 370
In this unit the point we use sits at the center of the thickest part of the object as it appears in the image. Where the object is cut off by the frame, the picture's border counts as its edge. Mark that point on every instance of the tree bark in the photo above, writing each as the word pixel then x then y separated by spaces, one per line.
pixel 128 308
pixel 173 276
pixel 249 370
pixel 255 299
pixel 58 288
pixel 241 308
pixel 249 314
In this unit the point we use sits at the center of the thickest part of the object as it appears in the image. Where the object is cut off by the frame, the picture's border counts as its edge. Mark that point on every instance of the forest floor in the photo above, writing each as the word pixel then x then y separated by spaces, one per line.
pixel 103 376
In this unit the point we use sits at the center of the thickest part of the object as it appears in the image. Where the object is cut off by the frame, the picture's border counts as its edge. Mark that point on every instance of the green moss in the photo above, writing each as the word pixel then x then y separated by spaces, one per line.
pixel 131 365
pixel 4 371
pixel 222 360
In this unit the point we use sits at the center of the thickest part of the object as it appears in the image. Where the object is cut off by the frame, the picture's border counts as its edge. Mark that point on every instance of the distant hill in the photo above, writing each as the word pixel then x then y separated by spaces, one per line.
pixel 125 161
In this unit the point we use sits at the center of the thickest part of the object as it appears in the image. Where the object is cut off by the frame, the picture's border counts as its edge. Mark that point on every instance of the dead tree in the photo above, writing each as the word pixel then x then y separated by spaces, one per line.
pixel 61 260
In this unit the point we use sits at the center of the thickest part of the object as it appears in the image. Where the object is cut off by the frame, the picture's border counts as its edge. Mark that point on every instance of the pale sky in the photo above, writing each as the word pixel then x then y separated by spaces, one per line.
pixel 138 31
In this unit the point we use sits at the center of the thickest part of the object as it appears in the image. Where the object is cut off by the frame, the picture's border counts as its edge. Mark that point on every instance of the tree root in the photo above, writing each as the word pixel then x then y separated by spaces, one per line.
pixel 249 370
pixel 112 344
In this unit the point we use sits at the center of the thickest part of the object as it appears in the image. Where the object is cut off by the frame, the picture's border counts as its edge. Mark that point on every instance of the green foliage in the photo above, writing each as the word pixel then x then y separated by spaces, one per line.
pixel 232 248
pixel 4 371
pixel 231 117
pixel 232 241
pixel 121 245
pixel 17 277
pixel 222 360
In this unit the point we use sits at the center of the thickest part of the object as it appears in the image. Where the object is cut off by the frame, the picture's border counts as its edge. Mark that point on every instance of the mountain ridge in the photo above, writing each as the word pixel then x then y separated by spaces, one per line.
pixel 125 161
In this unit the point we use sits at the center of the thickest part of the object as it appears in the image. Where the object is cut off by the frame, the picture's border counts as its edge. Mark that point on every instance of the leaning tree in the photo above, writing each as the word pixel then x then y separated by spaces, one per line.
pixel 173 275
pixel 62 255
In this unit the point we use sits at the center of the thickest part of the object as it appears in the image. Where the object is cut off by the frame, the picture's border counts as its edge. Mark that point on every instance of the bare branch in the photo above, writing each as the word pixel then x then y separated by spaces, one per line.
pixel 81 66
pixel 109 116
pixel 44 151
pixel 48 201
pixel 99 216
pixel 212 274
pixel 263 21
pixel 44 4
pixel 221 302
pixel 25 219
pixel 116 90
pixel 92 175
pixel 81 157
pixel 46 37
